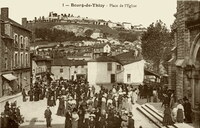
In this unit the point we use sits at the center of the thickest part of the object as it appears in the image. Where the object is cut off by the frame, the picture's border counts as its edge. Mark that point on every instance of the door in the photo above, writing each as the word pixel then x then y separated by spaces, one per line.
pixel 112 78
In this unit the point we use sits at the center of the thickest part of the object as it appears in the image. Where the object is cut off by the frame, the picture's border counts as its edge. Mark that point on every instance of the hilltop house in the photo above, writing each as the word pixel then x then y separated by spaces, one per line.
pixel 100 49
pixel 69 69
pixel 126 25
pixel 97 34
pixel 125 68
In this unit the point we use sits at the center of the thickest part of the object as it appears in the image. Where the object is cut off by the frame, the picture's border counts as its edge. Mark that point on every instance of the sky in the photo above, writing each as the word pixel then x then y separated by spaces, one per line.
pixel 141 11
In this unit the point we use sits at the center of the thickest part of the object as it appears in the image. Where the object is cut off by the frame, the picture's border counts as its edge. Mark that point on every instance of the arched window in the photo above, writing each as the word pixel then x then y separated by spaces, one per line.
pixel 16 40
pixel 21 41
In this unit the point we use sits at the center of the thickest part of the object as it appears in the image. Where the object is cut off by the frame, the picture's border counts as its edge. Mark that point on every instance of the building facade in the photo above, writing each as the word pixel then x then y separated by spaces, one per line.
pixel 123 68
pixel 15 55
pixel 184 67
pixel 69 69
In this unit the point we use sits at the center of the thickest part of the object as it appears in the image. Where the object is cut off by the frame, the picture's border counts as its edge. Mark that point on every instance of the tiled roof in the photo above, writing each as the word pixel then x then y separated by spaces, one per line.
pixel 123 58
pixel 101 45
pixel 67 62
pixel 104 59
pixel 128 57
pixel 17 24
pixel 40 58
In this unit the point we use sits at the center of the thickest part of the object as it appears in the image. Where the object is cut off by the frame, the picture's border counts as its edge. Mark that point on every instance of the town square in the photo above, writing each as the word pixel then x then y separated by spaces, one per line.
pixel 100 64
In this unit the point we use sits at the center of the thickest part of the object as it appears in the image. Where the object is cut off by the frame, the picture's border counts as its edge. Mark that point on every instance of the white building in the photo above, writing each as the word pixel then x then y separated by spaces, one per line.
pixel 69 69
pixel 125 68
pixel 102 70
pixel 111 24
pixel 97 34
pixel 127 25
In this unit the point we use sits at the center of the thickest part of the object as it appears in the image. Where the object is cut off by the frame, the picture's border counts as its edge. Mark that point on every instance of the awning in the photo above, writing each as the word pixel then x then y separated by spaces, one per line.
pixel 9 77
pixel 150 73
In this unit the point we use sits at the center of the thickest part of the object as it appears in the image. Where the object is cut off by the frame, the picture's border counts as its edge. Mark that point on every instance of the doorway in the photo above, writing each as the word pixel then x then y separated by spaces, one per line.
pixel 112 78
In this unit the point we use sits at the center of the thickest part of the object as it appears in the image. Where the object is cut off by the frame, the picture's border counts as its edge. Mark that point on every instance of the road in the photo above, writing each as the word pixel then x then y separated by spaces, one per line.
pixel 33 113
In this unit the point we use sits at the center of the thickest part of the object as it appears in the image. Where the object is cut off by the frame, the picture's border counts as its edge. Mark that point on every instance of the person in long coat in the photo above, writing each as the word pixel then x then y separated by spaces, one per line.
pixel 131 122
pixel 124 123
pixel 188 111
pixel 24 95
pixel 103 103
pixel 167 119
pixel 75 118
pixel 47 115
pixel 61 107
pixel 68 119
pixel 103 119
pixel 30 93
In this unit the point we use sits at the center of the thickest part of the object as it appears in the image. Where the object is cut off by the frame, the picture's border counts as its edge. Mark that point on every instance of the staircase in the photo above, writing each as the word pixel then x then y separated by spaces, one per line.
pixel 156 118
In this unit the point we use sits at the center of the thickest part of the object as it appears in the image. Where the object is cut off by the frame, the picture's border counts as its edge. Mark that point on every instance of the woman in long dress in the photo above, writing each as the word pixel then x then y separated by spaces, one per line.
pixel 61 107
pixel 68 119
pixel 75 118
pixel 180 112
pixel 167 119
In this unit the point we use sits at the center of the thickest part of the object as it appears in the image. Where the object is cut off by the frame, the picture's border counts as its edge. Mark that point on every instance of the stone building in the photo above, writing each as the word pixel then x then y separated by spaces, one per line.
pixel 184 67
pixel 14 55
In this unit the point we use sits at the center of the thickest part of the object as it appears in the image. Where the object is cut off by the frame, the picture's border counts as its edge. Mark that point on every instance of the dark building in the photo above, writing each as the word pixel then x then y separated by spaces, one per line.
pixel 14 55
pixel 184 67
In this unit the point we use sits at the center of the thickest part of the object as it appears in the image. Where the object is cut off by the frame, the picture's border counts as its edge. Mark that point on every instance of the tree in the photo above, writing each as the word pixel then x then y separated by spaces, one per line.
pixel 128 36
pixel 88 32
pixel 157 42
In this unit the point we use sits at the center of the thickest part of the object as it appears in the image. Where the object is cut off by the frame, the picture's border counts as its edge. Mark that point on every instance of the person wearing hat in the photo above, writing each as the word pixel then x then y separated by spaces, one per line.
pixel 91 121
pixel 61 107
pixel 131 122
pixel 2 120
pixel 68 119
pixel 124 123
pixel 75 118
pixel 47 115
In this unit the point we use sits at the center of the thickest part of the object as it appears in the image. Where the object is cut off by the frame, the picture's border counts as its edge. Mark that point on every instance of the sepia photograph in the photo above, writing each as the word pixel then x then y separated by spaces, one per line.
pixel 100 63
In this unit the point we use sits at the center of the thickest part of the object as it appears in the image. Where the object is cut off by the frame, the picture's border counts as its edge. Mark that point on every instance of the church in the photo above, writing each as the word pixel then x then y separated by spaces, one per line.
pixel 184 66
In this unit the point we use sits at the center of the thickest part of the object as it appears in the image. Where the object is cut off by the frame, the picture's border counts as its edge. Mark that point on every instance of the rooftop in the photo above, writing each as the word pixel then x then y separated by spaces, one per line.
pixel 67 62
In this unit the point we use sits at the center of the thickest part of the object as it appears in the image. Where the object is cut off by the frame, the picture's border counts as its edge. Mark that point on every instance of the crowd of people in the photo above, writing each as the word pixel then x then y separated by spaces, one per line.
pixel 11 117
pixel 179 112
pixel 85 107
pixel 174 110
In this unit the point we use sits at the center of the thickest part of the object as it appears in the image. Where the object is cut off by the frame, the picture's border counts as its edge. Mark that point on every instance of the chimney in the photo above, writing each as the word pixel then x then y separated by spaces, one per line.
pixel 4 13
pixel 24 22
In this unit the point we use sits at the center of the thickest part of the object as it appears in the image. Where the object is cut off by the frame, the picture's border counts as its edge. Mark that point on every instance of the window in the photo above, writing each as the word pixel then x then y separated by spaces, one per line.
pixel 26 59
pixel 128 77
pixel 76 66
pixel 26 43
pixel 21 41
pixel 6 63
pixel 15 59
pixel 8 29
pixel 16 40
pixel 61 70
pixel 109 66
pixel 82 66
pixel 21 59
pixel 118 67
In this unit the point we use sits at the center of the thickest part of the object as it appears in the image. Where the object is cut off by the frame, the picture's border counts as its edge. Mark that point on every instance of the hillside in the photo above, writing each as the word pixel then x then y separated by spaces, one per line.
pixel 79 29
